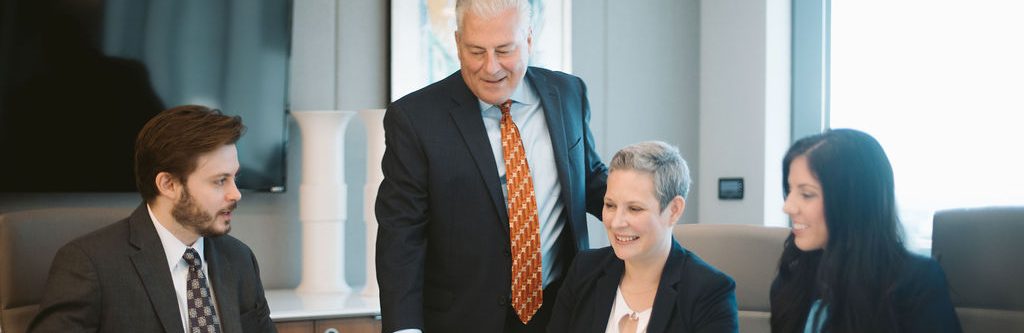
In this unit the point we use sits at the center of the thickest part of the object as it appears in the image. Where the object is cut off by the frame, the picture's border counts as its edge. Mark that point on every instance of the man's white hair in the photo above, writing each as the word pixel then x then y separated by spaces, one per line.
pixel 491 8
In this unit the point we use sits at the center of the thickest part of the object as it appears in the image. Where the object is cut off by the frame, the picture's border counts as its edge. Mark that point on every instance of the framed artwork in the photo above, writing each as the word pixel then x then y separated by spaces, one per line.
pixel 423 41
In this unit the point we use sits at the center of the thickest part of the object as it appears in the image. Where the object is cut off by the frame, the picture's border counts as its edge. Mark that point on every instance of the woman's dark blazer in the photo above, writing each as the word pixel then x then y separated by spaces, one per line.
pixel 692 295
pixel 920 299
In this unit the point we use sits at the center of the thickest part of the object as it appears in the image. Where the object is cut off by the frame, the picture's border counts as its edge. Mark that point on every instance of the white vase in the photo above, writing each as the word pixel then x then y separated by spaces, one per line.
pixel 322 200
pixel 373 119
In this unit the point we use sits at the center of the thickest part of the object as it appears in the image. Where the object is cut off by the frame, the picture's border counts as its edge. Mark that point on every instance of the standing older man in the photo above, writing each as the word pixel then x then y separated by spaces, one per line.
pixel 488 175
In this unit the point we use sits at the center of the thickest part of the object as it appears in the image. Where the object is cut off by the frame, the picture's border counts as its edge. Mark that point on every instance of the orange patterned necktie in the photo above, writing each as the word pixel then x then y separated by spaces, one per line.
pixel 523 226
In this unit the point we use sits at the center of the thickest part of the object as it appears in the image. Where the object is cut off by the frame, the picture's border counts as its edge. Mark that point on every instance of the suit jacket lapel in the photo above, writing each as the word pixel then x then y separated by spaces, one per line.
pixel 665 299
pixel 225 288
pixel 150 263
pixel 465 112
pixel 604 293
pixel 555 117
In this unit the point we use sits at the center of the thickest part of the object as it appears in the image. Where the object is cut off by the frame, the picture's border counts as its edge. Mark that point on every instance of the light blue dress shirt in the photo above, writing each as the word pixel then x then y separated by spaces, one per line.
pixel 528 115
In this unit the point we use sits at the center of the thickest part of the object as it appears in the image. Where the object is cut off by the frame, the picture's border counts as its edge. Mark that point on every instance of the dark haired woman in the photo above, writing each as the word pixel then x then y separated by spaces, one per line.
pixel 844 268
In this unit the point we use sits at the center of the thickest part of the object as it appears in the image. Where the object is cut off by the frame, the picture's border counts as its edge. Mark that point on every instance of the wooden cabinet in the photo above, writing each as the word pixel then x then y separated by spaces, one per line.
pixel 340 325
pixel 353 325
pixel 304 326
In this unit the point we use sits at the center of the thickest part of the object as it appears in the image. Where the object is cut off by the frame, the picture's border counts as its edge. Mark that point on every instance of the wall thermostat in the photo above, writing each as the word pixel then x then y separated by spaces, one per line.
pixel 730 188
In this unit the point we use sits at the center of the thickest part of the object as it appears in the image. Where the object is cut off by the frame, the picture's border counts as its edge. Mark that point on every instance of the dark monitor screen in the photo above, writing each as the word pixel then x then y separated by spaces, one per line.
pixel 79 78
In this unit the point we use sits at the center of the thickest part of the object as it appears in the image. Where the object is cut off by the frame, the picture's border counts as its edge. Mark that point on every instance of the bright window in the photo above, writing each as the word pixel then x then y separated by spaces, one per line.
pixel 941 85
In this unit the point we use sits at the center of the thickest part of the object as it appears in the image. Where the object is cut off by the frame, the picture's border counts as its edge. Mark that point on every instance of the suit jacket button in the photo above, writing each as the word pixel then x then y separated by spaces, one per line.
pixel 508 253
pixel 502 300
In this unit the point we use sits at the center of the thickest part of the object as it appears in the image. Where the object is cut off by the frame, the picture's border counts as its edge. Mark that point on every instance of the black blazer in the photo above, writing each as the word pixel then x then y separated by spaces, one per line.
pixel 692 295
pixel 920 299
pixel 116 279
pixel 443 252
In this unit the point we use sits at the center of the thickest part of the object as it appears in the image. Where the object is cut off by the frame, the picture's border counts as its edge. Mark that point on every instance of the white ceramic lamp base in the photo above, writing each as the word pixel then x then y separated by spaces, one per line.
pixel 374 121
pixel 322 200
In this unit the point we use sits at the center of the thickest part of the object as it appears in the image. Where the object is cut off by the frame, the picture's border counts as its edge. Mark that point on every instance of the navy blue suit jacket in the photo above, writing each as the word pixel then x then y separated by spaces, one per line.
pixel 443 251
pixel 692 296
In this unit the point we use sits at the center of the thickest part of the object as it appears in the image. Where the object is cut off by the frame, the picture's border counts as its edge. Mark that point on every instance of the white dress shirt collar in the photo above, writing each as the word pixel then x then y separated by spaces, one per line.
pixel 173 247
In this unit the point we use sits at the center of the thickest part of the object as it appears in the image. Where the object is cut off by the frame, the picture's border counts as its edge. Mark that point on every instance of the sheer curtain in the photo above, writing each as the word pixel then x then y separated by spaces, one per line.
pixel 940 85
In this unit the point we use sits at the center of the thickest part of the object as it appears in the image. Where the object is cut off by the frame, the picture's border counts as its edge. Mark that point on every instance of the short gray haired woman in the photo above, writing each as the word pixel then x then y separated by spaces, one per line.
pixel 645 281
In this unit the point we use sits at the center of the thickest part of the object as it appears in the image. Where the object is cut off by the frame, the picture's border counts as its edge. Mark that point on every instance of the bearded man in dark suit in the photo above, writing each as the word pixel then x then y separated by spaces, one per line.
pixel 170 266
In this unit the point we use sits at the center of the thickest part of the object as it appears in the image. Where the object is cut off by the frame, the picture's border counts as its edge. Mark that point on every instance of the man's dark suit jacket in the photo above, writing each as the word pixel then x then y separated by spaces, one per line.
pixel 116 279
pixel 443 252
pixel 692 296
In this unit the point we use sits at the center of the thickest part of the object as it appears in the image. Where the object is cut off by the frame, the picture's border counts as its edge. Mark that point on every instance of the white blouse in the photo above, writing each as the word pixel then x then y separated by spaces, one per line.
pixel 621 309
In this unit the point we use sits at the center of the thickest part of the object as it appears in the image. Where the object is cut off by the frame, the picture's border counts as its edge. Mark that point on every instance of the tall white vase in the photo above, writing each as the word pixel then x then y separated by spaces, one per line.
pixel 374 121
pixel 322 200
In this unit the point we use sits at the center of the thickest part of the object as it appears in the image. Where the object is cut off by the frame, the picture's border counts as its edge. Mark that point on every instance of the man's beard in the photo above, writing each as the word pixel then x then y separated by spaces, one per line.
pixel 191 216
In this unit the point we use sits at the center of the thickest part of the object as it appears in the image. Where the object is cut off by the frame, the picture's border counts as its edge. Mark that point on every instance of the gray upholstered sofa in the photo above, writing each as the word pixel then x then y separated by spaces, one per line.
pixel 748 253
pixel 28 242
pixel 982 252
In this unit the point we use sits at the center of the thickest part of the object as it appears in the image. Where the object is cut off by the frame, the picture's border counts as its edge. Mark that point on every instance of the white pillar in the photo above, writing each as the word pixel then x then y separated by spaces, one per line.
pixel 373 119
pixel 322 195
pixel 744 108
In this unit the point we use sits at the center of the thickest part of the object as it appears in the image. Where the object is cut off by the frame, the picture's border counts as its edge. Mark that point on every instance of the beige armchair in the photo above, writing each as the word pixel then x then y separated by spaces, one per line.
pixel 982 252
pixel 28 242
pixel 748 253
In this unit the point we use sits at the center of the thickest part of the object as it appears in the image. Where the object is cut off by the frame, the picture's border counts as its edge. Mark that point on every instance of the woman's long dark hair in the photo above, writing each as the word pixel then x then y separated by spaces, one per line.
pixel 855 274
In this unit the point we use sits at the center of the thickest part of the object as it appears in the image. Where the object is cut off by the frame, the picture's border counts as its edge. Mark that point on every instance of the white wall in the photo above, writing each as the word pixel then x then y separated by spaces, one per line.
pixel 711 77
pixel 640 61
pixel 744 107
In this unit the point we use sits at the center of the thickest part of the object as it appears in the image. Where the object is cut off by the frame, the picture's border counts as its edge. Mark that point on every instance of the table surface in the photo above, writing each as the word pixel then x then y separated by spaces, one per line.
pixel 289 304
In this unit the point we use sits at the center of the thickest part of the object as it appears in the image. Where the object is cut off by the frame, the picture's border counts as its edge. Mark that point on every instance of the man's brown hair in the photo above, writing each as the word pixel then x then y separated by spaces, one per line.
pixel 173 140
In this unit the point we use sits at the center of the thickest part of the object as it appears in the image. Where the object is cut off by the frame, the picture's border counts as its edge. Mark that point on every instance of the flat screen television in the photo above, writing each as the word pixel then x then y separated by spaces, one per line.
pixel 79 78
